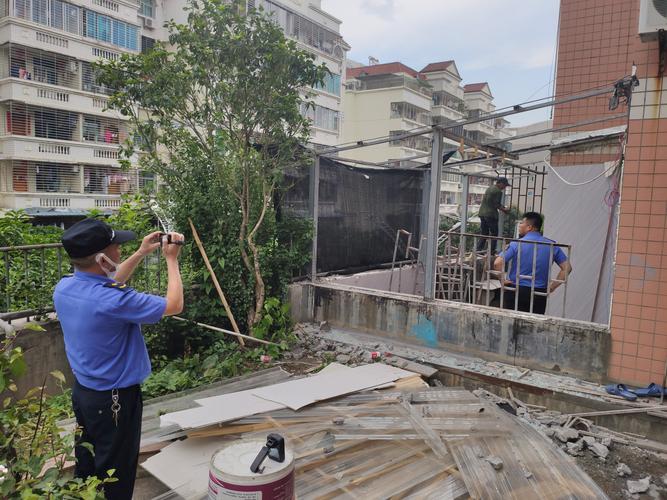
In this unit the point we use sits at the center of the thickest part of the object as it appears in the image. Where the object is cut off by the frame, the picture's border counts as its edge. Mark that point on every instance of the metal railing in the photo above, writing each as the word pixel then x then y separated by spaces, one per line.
pixel 31 272
pixel 465 272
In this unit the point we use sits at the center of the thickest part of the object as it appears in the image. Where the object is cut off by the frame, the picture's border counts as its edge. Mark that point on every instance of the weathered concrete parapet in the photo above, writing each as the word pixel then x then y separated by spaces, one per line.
pixel 43 352
pixel 539 342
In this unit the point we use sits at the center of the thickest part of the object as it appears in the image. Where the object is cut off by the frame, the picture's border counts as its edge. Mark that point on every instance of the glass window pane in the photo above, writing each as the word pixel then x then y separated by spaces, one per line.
pixel 57 14
pixel 40 11
pixel 71 18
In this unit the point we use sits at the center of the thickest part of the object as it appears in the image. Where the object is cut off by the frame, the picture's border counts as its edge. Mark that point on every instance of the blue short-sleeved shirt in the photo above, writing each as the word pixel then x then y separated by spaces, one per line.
pixel 101 327
pixel 542 262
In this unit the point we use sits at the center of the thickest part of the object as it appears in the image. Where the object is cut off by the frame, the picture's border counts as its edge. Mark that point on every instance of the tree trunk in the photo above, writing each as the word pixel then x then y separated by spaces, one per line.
pixel 245 216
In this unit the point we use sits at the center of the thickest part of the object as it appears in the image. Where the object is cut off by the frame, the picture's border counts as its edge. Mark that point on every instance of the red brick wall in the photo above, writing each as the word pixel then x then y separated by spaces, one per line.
pixel 598 43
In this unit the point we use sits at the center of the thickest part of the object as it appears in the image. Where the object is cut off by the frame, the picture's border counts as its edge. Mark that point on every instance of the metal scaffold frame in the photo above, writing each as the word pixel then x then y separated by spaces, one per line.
pixel 430 193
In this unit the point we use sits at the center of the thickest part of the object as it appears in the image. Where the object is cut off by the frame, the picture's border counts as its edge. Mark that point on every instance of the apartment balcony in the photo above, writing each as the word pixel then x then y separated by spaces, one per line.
pixel 365 83
pixel 37 36
pixel 35 93
pixel 46 134
pixel 482 130
pixel 442 113
pixel 14 147
pixel 62 188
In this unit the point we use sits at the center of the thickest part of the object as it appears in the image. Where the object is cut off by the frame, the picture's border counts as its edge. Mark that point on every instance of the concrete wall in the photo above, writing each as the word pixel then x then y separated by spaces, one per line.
pixel 402 280
pixel 604 48
pixel 43 352
pixel 543 343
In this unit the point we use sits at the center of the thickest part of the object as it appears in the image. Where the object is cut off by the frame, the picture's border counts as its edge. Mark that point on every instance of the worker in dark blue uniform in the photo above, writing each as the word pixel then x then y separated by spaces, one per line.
pixel 100 318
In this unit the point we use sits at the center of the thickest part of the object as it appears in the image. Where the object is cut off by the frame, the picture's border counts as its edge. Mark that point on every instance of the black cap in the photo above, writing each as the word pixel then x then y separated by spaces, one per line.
pixel 89 236
pixel 503 180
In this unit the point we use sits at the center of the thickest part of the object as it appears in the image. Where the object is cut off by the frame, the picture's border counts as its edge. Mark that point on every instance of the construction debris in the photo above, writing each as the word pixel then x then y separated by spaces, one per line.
pixel 599 450
pixel 623 470
pixel 640 486
pixel 406 440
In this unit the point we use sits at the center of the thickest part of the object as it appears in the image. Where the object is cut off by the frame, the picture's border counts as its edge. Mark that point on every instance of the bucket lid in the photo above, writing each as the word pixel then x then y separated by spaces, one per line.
pixel 237 458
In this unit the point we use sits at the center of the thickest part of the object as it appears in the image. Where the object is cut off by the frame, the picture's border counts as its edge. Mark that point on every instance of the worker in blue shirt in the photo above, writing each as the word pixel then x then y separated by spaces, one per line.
pixel 100 318
pixel 532 243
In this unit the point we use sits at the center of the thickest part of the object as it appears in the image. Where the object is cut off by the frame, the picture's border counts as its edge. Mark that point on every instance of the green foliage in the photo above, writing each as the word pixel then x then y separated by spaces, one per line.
pixel 33 273
pixel 32 450
pixel 209 357
pixel 224 103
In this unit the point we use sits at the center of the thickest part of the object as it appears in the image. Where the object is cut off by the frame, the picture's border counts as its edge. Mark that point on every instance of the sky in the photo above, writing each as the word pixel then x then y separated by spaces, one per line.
pixel 508 43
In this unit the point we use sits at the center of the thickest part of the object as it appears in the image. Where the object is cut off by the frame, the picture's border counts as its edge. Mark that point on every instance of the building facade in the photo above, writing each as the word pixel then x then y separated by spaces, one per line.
pixel 59 147
pixel 317 32
pixel 598 43
pixel 391 99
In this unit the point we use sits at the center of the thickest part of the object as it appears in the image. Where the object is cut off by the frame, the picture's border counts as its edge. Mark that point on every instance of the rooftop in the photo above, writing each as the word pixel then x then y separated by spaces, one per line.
pixel 382 69
pixel 477 87
pixel 437 66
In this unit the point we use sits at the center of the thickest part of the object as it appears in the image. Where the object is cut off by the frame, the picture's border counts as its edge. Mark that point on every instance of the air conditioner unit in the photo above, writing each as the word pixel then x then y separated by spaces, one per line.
pixel 148 22
pixel 652 18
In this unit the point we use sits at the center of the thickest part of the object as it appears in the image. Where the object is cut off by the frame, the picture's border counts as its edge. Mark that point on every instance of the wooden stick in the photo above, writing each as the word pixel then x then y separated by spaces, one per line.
pixel 618 412
pixel 215 282
pixel 228 332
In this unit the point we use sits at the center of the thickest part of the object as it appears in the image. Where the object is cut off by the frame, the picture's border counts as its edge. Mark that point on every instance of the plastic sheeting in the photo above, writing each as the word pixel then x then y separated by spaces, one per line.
pixel 360 210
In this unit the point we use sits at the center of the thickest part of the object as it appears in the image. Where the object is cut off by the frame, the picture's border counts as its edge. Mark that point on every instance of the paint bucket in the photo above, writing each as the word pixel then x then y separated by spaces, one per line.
pixel 230 477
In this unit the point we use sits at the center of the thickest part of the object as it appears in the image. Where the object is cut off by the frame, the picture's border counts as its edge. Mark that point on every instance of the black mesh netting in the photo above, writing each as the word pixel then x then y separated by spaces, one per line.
pixel 360 211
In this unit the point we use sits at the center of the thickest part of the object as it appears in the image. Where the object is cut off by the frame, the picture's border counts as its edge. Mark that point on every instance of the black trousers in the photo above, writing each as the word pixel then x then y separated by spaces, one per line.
pixel 488 227
pixel 539 301
pixel 116 445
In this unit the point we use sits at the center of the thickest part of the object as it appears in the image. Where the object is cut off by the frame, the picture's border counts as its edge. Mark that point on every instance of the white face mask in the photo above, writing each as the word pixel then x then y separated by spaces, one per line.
pixel 102 258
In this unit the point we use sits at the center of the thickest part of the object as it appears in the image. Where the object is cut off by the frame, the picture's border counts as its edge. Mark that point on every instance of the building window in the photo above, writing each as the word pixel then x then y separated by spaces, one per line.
pixel 302 29
pixel 418 143
pixel 146 8
pixel 146 44
pixel 321 117
pixel 409 112
pixel 47 177
pixel 55 13
pixel 100 130
pixel 331 84
pixel 55 124
pixel 89 80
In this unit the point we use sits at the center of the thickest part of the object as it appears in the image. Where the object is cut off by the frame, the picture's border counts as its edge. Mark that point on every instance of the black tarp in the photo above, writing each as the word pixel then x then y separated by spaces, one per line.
pixel 360 210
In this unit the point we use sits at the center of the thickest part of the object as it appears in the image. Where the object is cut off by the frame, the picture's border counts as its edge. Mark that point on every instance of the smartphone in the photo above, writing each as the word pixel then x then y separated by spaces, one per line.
pixel 168 238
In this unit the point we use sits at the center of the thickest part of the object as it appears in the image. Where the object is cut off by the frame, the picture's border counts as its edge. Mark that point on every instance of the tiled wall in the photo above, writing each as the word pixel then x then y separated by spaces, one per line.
pixel 598 43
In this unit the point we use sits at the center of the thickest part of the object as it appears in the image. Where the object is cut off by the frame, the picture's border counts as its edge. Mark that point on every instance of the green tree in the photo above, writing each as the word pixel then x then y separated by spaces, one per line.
pixel 217 116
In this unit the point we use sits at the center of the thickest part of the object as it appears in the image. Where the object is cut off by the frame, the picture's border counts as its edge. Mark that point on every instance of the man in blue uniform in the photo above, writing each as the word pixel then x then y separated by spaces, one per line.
pixel 100 318
pixel 546 254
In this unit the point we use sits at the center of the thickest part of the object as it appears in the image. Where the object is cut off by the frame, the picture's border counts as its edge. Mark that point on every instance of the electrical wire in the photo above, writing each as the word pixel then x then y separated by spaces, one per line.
pixel 614 165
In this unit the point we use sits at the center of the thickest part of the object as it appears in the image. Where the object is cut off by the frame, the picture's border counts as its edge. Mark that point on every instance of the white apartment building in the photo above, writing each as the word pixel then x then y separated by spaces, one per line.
pixel 390 99
pixel 59 148
pixel 317 32
pixel 386 99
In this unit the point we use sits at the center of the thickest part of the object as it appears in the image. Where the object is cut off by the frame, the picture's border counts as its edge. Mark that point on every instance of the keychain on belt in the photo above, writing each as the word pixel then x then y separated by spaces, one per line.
pixel 115 405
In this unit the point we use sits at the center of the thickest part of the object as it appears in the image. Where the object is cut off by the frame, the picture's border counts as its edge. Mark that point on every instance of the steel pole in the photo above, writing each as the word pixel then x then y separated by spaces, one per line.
pixel 433 216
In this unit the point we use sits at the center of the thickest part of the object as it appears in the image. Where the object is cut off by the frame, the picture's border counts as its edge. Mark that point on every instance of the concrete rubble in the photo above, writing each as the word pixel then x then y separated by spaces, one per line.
pixel 641 486
pixel 623 470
